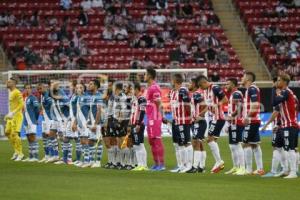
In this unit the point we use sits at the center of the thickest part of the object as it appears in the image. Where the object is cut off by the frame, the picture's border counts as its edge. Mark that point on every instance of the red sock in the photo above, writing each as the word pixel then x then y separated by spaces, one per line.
pixel 159 150
pixel 153 150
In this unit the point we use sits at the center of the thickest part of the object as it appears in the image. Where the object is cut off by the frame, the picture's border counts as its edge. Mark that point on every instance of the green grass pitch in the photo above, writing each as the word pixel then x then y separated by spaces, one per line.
pixel 34 181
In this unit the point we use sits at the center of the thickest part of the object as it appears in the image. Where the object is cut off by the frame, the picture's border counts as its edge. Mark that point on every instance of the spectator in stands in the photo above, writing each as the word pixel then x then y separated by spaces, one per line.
pixel 77 38
pixel 72 51
pixel 172 19
pixel 215 77
pixel 165 33
pixel 31 58
pixel 213 19
pixel 109 19
pixel 151 4
pixel 145 41
pixel 24 21
pixel 111 7
pixel 120 33
pixel 45 57
pixel 161 4
pixel 178 10
pixel 211 55
pixel 35 19
pixel 83 18
pixel 187 10
pixel 82 63
pixel 86 5
pixel 65 4
pixel 174 34
pixel 51 21
pixel 197 55
pixel 175 55
pixel 157 41
pixel 293 70
pixel 3 20
pixel 281 10
pixel 108 33
pixel 184 49
pixel 140 26
pixel 97 4
pixel 282 47
pixel 118 18
pixel 223 56
pixel 146 63
pixel 135 63
pixel 52 36
pixel 200 20
pixel 160 19
pixel 11 19
pixel 71 64
pixel 135 41
pixel 148 18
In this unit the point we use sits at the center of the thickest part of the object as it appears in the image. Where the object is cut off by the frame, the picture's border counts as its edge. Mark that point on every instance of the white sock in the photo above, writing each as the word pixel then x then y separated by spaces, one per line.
pixel 182 156
pixel 177 153
pixel 292 158
pixel 203 159
pixel 248 159
pixel 215 151
pixel 138 154
pixel 110 155
pixel 144 154
pixel 189 156
pixel 258 157
pixel 241 155
pixel 117 154
pixel 234 155
pixel 275 161
pixel 197 159
pixel 283 160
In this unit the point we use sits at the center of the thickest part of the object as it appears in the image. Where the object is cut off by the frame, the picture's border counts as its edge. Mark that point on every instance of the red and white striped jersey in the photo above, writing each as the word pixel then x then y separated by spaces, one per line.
pixel 236 105
pixel 252 95
pixel 213 95
pixel 137 110
pixel 286 105
pixel 198 104
pixel 181 106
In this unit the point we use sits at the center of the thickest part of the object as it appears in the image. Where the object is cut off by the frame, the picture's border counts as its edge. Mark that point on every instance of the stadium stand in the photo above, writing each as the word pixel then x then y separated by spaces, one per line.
pixel 43 35
pixel 275 28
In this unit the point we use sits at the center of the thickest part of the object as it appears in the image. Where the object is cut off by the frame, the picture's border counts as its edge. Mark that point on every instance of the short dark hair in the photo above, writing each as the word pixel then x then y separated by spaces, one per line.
pixel 195 81
pixel 202 77
pixel 286 78
pixel 253 76
pixel 83 85
pixel 275 79
pixel 137 86
pixel 178 78
pixel 234 81
pixel 13 79
pixel 96 82
pixel 119 86
pixel 27 84
pixel 152 72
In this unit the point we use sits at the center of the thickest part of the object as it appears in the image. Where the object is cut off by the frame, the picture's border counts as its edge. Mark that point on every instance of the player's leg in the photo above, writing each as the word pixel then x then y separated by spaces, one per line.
pixel 53 142
pixel 290 145
pixel 175 139
pixel 185 139
pixel 33 147
pixel 254 141
pixel 247 150
pixel 233 144
pixel 17 122
pixel 139 148
pixel 99 148
pixel 240 152
pixel 214 131
pixel 8 134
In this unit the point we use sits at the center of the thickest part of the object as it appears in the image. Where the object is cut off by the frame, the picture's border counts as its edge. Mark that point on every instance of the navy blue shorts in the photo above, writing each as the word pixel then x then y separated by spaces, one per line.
pixel 235 134
pixel 198 129
pixel 120 128
pixel 215 128
pixel 181 134
pixel 137 137
pixel 251 134
pixel 108 132
pixel 277 138
pixel 290 135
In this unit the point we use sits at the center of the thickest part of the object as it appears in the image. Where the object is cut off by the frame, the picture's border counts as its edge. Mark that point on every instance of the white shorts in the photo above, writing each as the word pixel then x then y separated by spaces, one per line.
pixel 62 127
pixel 46 126
pixel 53 125
pixel 69 133
pixel 83 132
pixel 97 135
pixel 30 129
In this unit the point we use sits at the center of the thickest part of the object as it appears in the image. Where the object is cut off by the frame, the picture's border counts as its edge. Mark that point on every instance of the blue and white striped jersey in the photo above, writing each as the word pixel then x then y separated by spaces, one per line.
pixel 83 110
pixel 31 110
pixel 61 108
pixel 96 100
pixel 73 106
pixel 47 104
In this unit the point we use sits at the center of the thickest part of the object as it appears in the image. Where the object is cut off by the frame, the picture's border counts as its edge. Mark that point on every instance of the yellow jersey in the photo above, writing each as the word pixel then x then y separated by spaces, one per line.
pixel 16 101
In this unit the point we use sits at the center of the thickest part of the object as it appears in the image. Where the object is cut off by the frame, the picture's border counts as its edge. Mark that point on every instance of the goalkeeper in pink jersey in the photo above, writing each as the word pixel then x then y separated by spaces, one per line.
pixel 154 120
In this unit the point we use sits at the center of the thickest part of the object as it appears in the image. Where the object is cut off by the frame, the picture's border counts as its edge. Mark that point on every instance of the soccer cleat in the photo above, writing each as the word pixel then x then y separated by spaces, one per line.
pixel 175 170
pixel 281 174
pixel 52 159
pixel 14 157
pixel 218 167
pixel 97 164
pixel 129 167
pixel 44 159
pixel 19 158
pixel 112 166
pixel 232 170
pixel 78 164
pixel 26 160
pixel 153 168
pixel 291 176
pixel 159 168
pixel 201 170
pixel 240 172
pixel 85 165
pixel 33 160
pixel 60 162
pixel 69 162
pixel 107 165
pixel 268 175
pixel 192 171
pixel 184 170
pixel 259 172
pixel 138 168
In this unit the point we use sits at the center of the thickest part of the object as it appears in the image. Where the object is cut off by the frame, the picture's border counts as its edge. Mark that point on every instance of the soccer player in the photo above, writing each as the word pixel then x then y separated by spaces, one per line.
pixel 199 126
pixel 94 123
pixel 137 128
pixel 279 155
pixel 119 123
pixel 215 99
pixel 31 115
pixel 181 125
pixel 235 129
pixel 251 121
pixel 285 105
pixel 154 120
pixel 14 119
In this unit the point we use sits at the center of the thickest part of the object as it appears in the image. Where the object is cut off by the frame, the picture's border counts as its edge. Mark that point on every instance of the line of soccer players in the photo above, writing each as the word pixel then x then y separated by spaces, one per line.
pixel 114 114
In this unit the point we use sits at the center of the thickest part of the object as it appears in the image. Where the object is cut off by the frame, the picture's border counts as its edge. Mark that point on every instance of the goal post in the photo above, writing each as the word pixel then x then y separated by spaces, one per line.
pixel 65 77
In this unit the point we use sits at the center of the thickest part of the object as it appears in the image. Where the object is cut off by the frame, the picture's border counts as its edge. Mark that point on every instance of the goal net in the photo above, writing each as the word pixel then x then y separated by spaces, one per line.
pixel 65 77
